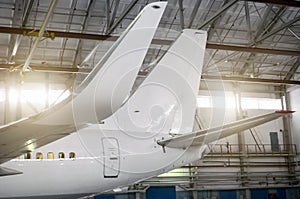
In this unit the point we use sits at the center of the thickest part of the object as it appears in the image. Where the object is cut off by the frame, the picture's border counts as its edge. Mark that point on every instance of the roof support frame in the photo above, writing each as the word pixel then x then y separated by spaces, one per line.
pixel 212 27
pixel 114 12
pixel 291 31
pixel 194 13
pixel 218 13
pixel 261 30
pixel 40 35
pixel 126 11
pixel 84 26
pixel 248 20
pixel 108 11
pixel 18 38
pixel 96 37
pixel 70 19
pixel 274 21
pixel 286 25
pixel 206 77
pixel 261 26
pixel 181 9
pixel 293 70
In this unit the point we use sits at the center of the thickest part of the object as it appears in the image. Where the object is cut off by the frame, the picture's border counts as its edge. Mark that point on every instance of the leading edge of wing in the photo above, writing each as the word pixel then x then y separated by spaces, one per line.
pixel 6 171
pixel 210 135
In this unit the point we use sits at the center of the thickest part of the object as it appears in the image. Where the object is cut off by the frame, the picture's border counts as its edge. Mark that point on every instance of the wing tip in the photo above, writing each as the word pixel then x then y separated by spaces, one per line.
pixel 284 111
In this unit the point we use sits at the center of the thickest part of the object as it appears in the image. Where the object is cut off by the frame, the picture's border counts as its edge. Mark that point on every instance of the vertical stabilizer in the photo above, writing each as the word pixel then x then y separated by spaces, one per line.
pixel 109 84
pixel 170 90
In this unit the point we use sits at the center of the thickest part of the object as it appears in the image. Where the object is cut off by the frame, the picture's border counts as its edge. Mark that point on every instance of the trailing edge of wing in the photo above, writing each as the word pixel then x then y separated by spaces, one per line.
pixel 209 135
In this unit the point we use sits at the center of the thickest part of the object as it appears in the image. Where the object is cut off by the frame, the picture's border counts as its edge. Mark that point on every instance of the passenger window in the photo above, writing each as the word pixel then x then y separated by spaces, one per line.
pixel 50 155
pixel 39 156
pixel 71 155
pixel 27 155
pixel 61 155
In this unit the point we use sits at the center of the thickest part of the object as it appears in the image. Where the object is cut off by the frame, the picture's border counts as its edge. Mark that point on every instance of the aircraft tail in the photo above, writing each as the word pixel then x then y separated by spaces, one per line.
pixel 109 84
pixel 166 100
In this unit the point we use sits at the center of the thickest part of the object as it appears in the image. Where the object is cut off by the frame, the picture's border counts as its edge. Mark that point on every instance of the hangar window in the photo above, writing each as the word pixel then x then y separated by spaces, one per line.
pixel 39 156
pixel 260 103
pixel 61 155
pixel 50 155
pixel 27 155
pixel 71 155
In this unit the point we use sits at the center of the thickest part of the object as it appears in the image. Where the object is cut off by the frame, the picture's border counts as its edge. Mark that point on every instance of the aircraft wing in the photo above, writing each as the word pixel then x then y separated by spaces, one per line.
pixel 6 171
pixel 206 136
pixel 24 136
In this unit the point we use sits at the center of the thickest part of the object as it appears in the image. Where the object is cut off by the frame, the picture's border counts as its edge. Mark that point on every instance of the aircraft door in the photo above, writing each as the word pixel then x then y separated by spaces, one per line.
pixel 111 152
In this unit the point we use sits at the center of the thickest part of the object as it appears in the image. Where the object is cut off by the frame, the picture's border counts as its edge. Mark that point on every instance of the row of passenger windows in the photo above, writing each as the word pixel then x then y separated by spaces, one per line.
pixel 50 155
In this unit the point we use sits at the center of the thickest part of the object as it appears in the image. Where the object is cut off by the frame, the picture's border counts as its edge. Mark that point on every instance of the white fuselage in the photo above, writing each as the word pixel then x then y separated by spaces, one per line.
pixel 104 160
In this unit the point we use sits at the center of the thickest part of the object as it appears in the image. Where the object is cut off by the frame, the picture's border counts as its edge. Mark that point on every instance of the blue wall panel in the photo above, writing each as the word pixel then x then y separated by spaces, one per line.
pixel 183 194
pixel 105 197
pixel 161 193
pixel 259 193
pixel 228 194
pixel 281 193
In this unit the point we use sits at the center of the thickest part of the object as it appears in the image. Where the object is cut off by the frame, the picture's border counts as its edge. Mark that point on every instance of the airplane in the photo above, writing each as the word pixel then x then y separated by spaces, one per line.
pixel 147 133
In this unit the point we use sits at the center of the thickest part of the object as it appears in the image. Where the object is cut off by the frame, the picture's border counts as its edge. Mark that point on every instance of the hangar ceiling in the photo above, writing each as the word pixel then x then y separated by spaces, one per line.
pixel 247 40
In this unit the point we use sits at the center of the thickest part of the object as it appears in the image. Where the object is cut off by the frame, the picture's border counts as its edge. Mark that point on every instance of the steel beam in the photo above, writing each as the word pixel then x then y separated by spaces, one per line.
pixel 70 19
pixel 18 39
pixel 47 68
pixel 84 27
pixel 41 33
pixel 27 12
pixel 42 68
pixel 217 14
pixel 180 5
pixel 123 15
pixel 274 21
pixel 286 25
pixel 262 24
pixel 248 79
pixel 291 31
pixel 292 71
pixel 248 21
pixel 114 13
pixel 89 14
pixel 194 12
pixel 212 28
pixel 259 31
pixel 107 14
pixel 280 2
pixel 253 49
pixel 74 35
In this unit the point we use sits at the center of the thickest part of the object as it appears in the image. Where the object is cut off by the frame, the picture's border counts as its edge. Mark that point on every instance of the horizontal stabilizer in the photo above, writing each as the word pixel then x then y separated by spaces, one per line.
pixel 6 171
pixel 210 135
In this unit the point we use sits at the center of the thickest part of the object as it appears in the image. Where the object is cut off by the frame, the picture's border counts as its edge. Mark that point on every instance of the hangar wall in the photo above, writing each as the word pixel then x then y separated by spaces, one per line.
pixel 295 124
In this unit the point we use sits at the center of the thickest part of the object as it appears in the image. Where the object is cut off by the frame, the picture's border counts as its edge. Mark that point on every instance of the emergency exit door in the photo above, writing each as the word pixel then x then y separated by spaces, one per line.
pixel 274 141
pixel 111 152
